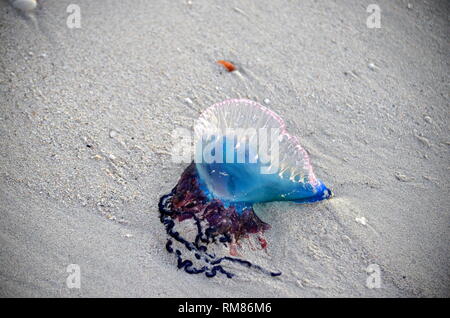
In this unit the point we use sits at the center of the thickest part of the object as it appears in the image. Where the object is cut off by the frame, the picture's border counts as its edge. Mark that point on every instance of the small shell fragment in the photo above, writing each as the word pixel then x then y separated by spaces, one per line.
pixel 24 5
pixel 112 133
pixel 362 220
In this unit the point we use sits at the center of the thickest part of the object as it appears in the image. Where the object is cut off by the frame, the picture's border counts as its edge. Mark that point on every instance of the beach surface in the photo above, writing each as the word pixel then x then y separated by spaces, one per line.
pixel 86 122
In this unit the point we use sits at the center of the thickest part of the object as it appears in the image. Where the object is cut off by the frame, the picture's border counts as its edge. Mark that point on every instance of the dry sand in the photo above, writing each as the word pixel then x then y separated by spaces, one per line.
pixel 370 105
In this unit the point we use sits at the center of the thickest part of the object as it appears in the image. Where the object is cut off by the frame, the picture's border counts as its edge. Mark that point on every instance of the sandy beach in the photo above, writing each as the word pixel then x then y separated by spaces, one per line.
pixel 86 122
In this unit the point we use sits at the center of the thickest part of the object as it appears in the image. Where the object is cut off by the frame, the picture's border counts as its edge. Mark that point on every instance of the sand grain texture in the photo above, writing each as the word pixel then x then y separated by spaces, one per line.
pixel 86 117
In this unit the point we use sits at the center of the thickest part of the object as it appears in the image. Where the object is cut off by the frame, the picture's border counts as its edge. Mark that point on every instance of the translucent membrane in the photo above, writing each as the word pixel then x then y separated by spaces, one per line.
pixel 289 177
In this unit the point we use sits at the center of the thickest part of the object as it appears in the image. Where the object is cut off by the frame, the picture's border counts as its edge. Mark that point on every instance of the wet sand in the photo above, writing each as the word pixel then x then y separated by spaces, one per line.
pixel 86 117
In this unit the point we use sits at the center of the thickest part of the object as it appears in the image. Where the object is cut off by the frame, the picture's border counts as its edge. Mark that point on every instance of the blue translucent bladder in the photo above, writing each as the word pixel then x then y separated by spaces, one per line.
pixel 243 184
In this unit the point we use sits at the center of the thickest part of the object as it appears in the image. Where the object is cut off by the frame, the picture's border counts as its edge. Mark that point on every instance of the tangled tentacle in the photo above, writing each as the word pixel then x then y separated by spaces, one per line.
pixel 224 225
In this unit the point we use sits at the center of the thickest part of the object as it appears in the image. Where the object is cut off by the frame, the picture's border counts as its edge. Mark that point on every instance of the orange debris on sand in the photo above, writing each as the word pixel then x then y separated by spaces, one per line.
pixel 228 65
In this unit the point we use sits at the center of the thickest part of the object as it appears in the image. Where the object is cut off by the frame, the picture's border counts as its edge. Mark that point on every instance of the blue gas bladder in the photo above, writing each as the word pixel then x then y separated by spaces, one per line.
pixel 234 173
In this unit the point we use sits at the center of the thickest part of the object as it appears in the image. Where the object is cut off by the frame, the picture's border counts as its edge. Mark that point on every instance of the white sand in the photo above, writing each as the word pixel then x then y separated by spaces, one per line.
pixel 370 105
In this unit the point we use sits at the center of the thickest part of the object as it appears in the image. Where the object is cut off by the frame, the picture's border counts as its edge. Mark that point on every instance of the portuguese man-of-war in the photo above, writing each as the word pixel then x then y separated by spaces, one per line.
pixel 243 155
